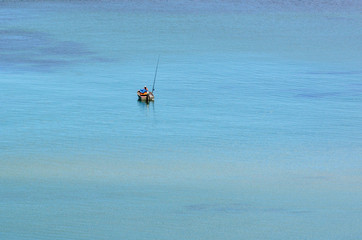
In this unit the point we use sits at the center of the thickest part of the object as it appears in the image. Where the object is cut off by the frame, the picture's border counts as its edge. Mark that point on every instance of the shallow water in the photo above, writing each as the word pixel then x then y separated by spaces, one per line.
pixel 255 131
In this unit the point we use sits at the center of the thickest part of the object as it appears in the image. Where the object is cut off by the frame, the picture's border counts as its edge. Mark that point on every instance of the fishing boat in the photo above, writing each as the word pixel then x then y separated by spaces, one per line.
pixel 145 95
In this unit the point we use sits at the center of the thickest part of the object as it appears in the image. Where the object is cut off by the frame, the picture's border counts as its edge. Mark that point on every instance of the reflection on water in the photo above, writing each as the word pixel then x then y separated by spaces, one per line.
pixel 146 105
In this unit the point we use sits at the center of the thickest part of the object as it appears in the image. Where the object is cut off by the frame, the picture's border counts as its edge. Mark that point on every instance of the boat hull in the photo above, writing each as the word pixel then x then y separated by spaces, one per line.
pixel 145 98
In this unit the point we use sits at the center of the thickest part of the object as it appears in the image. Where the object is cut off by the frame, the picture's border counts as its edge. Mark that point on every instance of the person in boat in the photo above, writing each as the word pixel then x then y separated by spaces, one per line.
pixel 144 91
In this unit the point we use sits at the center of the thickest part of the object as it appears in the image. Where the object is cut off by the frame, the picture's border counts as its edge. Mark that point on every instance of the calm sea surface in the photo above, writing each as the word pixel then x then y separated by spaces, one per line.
pixel 255 132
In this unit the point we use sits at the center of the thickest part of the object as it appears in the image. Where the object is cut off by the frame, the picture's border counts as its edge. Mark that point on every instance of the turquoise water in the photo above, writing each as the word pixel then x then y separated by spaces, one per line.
pixel 255 132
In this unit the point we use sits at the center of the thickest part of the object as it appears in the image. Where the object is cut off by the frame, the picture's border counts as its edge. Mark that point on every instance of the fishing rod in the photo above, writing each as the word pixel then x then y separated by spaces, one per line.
pixel 154 80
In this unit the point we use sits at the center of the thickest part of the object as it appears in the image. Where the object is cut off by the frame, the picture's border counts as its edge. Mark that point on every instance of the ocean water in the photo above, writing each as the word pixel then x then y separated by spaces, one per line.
pixel 255 131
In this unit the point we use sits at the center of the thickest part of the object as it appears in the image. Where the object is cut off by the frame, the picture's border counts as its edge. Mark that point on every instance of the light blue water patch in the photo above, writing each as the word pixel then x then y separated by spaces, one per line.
pixel 255 131
pixel 94 211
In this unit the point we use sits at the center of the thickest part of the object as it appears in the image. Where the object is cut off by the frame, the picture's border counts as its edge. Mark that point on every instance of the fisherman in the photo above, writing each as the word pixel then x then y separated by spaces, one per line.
pixel 144 91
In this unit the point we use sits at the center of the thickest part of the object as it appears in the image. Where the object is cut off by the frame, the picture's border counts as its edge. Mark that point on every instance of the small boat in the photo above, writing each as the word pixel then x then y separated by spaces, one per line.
pixel 145 97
